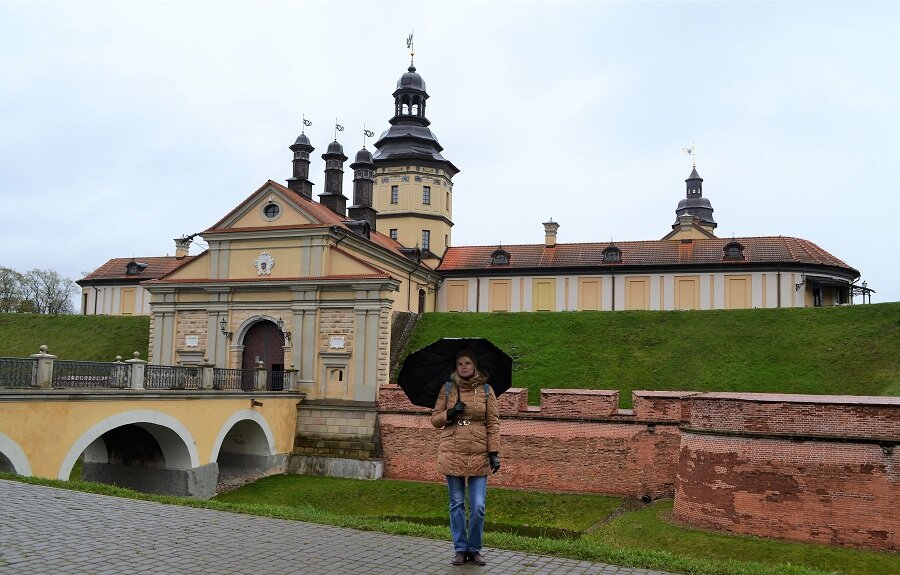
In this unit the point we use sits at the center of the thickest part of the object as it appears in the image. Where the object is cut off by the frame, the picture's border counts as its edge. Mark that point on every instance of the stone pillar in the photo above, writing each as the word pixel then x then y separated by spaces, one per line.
pixel 137 371
pixel 207 377
pixel 290 375
pixel 44 368
pixel 261 374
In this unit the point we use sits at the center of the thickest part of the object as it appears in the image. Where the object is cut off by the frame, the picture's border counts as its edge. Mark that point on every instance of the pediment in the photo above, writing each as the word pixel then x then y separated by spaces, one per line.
pixel 272 205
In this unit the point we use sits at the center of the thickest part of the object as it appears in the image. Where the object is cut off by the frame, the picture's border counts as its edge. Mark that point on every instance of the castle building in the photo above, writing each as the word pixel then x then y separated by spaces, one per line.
pixel 688 268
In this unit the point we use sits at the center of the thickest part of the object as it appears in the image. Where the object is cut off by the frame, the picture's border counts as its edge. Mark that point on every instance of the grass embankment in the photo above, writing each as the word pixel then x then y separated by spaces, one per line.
pixel 837 350
pixel 643 537
pixel 74 337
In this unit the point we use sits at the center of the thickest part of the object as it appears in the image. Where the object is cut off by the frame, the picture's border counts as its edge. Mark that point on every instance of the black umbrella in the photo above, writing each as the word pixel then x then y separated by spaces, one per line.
pixel 425 371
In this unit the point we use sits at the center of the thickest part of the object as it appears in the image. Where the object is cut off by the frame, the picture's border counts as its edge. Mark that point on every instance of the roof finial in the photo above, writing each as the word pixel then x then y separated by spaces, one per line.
pixel 305 124
pixel 412 50
pixel 367 134
pixel 692 151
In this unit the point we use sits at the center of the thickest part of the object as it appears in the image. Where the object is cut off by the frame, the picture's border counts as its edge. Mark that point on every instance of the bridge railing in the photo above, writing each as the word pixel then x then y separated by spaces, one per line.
pixel 17 373
pixel 172 377
pixel 243 379
pixel 44 371
pixel 90 374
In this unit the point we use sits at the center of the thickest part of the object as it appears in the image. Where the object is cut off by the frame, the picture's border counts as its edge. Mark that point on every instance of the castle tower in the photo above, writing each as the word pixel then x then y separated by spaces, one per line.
pixel 695 204
pixel 333 196
pixel 363 183
pixel 300 181
pixel 413 191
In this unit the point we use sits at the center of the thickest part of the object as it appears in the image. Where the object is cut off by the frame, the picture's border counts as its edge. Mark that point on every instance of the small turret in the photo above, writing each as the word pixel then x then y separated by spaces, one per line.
pixel 363 183
pixel 333 196
pixel 300 181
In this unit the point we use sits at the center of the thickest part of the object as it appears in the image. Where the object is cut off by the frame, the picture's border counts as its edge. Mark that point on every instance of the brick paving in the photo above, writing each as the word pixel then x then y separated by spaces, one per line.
pixel 48 531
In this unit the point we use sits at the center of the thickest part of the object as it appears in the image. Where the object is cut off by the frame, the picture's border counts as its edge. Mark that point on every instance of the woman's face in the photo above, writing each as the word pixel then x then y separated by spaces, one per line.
pixel 465 367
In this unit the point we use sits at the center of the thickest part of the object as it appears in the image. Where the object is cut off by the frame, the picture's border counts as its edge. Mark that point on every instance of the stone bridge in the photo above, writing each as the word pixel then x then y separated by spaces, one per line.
pixel 158 429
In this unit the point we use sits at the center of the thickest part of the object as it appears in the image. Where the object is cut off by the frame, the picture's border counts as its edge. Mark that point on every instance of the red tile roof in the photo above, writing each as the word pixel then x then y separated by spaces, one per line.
pixel 778 249
pixel 113 271
pixel 339 277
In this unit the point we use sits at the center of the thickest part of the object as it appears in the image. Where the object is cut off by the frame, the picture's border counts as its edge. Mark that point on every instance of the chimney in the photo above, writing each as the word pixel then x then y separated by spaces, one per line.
pixel 182 245
pixel 550 233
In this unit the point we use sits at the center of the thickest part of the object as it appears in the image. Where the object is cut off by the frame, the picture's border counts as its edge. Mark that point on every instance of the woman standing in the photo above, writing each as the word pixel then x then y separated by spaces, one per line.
pixel 469 418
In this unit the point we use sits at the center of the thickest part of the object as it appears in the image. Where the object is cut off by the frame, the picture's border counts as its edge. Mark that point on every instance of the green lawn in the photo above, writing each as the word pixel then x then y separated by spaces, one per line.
pixel 74 337
pixel 837 350
pixel 632 536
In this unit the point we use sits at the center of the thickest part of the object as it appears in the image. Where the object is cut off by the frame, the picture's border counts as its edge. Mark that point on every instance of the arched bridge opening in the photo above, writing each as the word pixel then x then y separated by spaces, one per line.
pixel 142 456
pixel 246 451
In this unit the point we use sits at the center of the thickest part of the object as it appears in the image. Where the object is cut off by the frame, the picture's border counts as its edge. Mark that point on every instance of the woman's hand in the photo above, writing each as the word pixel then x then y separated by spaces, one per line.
pixel 455 410
pixel 495 461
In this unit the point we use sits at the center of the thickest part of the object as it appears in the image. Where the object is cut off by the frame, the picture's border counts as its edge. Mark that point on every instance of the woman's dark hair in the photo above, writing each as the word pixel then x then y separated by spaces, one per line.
pixel 470 355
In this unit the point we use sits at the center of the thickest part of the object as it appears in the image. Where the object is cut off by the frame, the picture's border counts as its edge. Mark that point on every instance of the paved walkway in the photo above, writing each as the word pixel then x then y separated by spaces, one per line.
pixel 47 531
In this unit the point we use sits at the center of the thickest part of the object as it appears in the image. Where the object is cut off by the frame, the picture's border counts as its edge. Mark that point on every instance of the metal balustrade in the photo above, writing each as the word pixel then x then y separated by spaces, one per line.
pixel 243 379
pixel 275 381
pixel 89 374
pixel 18 373
pixel 172 377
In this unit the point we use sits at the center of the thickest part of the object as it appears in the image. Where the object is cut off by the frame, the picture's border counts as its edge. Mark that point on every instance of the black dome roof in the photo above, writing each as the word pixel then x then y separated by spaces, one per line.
pixel 363 156
pixel 302 140
pixel 335 148
pixel 411 80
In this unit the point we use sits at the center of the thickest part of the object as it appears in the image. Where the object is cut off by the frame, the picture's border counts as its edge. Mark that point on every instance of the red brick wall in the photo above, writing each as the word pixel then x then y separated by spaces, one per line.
pixel 809 468
pixel 576 441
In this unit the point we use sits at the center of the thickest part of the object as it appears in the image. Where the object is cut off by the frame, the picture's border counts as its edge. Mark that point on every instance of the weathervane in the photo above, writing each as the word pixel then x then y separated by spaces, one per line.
pixel 412 50
pixel 305 124
pixel 367 134
pixel 692 152
pixel 337 128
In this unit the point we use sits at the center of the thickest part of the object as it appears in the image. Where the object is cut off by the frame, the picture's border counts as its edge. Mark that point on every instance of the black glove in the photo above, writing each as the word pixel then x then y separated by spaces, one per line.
pixel 455 410
pixel 495 461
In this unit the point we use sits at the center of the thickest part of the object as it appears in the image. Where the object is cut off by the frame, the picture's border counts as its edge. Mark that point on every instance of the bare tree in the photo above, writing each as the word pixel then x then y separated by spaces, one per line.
pixel 48 292
pixel 10 290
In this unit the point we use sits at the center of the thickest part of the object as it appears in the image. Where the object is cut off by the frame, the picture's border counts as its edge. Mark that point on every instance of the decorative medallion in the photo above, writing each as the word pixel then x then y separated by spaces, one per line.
pixel 264 264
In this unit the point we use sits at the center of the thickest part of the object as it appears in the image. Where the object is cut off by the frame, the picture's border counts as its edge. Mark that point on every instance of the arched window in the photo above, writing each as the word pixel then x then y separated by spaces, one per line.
pixel 500 257
pixel 612 254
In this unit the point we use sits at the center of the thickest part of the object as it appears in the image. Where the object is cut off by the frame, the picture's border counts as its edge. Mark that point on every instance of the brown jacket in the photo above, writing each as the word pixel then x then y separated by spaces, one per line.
pixel 464 449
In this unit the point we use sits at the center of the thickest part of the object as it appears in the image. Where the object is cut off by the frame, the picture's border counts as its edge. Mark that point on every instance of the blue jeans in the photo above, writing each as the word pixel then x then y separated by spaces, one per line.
pixel 464 542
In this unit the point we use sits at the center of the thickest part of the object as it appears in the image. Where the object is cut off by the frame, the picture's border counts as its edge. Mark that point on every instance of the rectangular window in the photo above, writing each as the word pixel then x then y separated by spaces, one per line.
pixel 447 201
pixel 393 234
pixel 426 239
pixel 395 194
pixel 426 195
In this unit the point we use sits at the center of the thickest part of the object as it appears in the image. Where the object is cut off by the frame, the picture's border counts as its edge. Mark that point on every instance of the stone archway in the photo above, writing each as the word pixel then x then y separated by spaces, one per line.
pixel 12 457
pixel 263 342
pixel 245 450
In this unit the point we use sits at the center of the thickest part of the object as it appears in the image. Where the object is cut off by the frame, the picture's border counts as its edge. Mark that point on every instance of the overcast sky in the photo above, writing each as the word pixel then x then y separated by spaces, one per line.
pixel 126 124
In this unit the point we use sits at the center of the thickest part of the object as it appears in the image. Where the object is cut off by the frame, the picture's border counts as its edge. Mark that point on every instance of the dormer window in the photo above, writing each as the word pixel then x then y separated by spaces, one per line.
pixel 612 255
pixel 733 251
pixel 500 257
pixel 134 268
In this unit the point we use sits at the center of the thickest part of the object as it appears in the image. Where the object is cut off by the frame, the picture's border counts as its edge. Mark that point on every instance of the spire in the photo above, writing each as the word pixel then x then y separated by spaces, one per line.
pixel 695 204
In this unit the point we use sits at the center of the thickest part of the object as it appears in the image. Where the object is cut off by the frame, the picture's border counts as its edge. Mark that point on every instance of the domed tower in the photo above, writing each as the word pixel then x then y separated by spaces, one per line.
pixel 333 196
pixel 300 181
pixel 695 204
pixel 363 181
pixel 413 192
